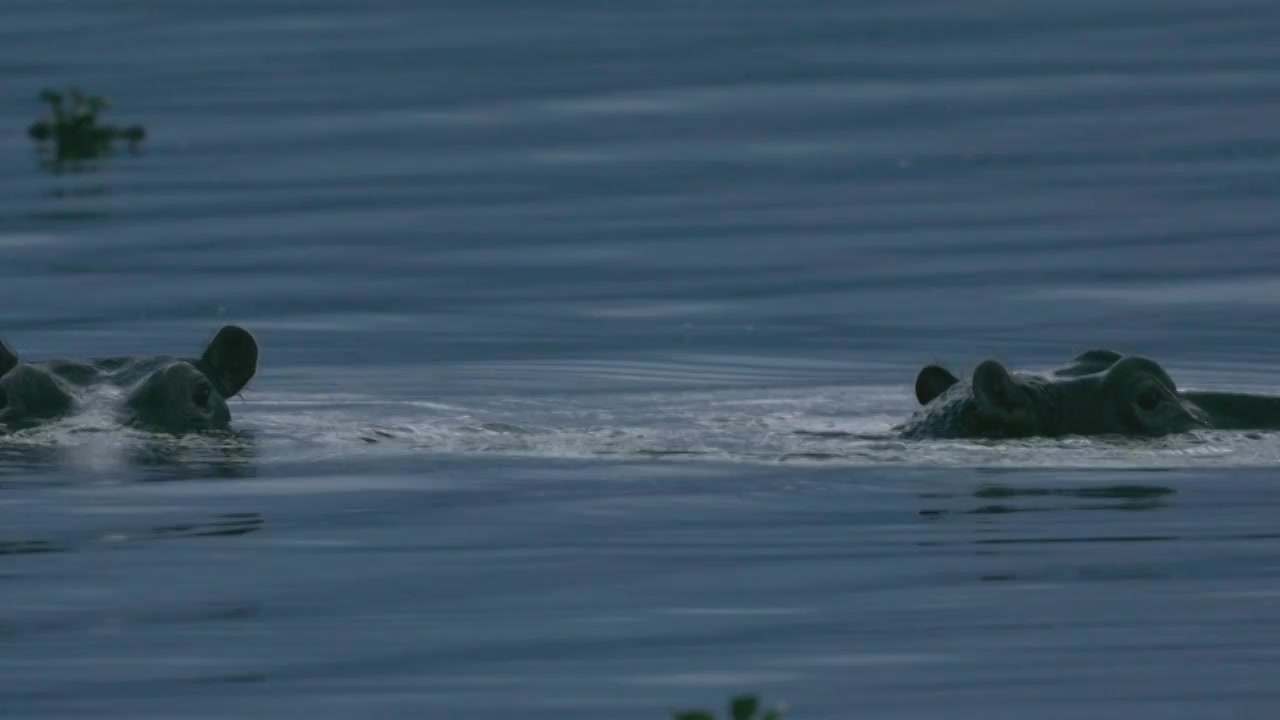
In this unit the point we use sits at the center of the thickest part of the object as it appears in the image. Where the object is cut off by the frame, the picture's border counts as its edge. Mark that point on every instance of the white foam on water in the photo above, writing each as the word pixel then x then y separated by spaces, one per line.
pixel 825 426
pixel 735 410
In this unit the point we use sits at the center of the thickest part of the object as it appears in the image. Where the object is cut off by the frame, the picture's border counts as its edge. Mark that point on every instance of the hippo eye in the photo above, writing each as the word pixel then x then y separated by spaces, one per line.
pixel 200 396
pixel 1150 398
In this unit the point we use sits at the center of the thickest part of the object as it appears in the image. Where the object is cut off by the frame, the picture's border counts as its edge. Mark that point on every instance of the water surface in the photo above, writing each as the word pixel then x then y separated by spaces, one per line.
pixel 583 330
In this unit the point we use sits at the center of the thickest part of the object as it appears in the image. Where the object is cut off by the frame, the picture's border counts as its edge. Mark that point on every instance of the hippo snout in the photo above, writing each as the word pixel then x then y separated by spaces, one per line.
pixel 178 398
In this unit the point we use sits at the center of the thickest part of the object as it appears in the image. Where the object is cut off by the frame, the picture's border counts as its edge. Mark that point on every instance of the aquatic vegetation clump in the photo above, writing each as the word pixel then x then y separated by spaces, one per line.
pixel 71 125
pixel 742 707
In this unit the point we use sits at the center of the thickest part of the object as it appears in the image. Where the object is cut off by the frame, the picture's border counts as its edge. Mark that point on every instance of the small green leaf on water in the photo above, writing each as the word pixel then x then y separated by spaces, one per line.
pixel 72 124
pixel 743 707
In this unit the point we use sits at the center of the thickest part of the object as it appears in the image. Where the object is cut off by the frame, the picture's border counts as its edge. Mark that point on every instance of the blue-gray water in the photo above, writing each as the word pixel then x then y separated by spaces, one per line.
pixel 583 328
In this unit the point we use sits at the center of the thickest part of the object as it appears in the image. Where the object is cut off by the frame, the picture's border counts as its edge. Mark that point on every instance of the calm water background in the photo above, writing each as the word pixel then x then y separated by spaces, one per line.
pixel 583 328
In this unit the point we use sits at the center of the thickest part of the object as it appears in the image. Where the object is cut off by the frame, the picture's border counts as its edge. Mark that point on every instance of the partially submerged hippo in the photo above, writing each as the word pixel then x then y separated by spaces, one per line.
pixel 164 393
pixel 1100 393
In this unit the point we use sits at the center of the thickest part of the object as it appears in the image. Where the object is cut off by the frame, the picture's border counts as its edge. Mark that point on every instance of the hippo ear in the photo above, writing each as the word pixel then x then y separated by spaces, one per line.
pixel 993 387
pixel 932 381
pixel 231 359
pixel 8 358
pixel 1089 362
pixel 1099 357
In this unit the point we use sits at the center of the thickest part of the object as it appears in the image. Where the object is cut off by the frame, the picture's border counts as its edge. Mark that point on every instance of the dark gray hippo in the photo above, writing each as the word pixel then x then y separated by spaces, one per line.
pixel 1100 393
pixel 163 393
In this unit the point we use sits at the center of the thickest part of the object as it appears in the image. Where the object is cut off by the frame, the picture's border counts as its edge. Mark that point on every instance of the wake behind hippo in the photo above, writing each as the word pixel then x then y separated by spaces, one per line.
pixel 162 393
pixel 1100 393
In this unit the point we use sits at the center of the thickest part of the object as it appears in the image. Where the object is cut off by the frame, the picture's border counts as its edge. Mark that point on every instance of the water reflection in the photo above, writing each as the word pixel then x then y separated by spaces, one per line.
pixel 990 518
pixel 80 191
pixel 223 525
pixel 1039 500
pixel 64 622
pixel 50 451
pixel 229 455
pixel 29 547
pixel 1126 492
pixel 17 460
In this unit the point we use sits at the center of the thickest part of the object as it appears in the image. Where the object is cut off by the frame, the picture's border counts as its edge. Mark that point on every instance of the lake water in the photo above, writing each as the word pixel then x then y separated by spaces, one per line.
pixel 583 329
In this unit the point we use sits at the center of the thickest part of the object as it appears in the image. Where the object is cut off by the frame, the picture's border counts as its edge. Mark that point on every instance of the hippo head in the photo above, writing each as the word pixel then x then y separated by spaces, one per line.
pixel 191 395
pixel 1100 393
pixel 168 394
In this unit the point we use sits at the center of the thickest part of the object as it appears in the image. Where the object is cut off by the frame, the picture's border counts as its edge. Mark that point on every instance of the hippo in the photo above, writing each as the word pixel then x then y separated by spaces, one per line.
pixel 174 395
pixel 1101 392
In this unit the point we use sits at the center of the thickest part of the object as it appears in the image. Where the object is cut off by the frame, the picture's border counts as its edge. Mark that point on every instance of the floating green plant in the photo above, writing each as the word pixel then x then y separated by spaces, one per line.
pixel 742 707
pixel 71 124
